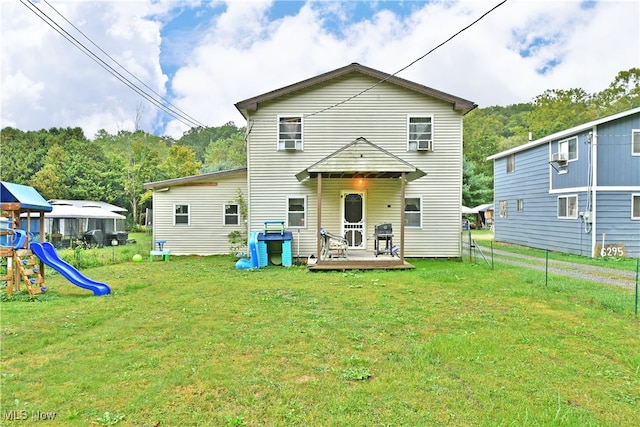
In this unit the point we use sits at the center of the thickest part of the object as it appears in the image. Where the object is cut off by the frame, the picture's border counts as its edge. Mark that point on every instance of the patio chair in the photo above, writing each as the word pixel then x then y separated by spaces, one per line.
pixel 332 245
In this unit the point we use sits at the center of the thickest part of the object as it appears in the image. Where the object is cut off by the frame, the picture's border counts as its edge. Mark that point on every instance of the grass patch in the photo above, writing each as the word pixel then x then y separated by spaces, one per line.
pixel 197 342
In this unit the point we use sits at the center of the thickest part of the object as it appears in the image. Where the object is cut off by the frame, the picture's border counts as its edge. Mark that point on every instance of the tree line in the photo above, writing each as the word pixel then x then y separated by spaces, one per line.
pixel 61 163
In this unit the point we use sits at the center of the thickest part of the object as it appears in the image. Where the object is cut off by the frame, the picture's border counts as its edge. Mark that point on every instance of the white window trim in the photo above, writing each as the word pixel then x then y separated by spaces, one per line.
pixel 299 147
pixel 519 205
pixel 633 134
pixel 411 116
pixel 567 141
pixel 420 212
pixel 632 197
pixel 305 211
pixel 567 196
pixel 188 205
pixel 224 214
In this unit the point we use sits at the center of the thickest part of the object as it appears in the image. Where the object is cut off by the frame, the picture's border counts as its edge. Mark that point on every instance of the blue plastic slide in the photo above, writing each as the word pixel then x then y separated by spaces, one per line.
pixel 47 253
pixel 19 237
pixel 253 249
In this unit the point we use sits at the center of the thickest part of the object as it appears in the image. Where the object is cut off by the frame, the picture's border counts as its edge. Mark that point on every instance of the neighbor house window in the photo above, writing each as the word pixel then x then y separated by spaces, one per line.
pixel 181 214
pixel 519 205
pixel 290 133
pixel 503 208
pixel 635 206
pixel 635 144
pixel 420 133
pixel 568 207
pixel 511 163
pixel 231 214
pixel 569 147
pixel 413 212
pixel 296 211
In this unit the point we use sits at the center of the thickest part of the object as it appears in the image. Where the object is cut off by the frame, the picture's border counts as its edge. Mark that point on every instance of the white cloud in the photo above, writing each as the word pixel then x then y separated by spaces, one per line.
pixel 60 86
pixel 241 53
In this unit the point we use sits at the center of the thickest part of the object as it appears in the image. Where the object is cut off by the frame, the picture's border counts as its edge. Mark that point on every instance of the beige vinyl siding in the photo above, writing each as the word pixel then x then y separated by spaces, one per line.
pixel 206 233
pixel 380 116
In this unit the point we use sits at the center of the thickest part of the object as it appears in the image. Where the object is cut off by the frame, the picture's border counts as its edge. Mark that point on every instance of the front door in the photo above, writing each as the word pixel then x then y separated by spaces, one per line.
pixel 353 221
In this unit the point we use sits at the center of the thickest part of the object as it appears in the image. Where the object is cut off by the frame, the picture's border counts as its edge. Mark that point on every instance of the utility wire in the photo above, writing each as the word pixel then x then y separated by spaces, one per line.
pixel 411 63
pixel 166 101
pixel 44 17
pixel 175 109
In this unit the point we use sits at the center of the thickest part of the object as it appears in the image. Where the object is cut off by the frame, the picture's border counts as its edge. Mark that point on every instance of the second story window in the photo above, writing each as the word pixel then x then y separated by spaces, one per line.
pixel 420 133
pixel 569 148
pixel 635 142
pixel 290 133
pixel 511 163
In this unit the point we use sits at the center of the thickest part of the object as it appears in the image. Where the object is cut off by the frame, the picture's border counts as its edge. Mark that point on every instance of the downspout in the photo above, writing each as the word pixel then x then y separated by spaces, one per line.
pixel 402 219
pixel 594 186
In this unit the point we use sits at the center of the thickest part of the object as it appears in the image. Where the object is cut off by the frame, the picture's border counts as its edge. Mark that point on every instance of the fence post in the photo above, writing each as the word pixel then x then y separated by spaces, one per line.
pixel 492 254
pixel 546 268
pixel 636 309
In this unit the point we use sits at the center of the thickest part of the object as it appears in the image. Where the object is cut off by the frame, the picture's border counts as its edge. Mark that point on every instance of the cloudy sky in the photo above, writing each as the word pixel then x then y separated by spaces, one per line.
pixel 111 64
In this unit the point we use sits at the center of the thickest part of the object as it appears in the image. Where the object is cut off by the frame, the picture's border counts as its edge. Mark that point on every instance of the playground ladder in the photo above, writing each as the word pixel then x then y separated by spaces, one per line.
pixel 31 276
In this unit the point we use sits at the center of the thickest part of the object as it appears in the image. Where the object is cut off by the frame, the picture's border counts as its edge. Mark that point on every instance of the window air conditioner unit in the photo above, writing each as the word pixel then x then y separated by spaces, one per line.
pixel 425 145
pixel 290 144
pixel 559 157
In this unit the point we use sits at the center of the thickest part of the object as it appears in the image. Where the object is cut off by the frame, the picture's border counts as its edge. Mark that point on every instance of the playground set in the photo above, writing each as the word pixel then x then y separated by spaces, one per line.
pixel 23 260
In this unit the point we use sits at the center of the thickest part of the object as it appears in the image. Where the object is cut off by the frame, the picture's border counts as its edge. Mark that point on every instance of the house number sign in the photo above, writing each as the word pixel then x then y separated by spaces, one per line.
pixel 616 250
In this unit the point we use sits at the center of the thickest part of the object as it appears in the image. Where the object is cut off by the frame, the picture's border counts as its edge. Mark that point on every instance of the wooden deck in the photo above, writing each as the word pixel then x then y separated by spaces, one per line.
pixel 361 260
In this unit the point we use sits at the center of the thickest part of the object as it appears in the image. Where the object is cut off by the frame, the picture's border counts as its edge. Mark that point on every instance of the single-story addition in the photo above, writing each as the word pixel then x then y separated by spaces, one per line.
pixel 575 191
pixel 345 151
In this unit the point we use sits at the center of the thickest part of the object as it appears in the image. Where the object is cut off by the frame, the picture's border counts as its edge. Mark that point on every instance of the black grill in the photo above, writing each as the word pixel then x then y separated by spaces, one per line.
pixel 383 229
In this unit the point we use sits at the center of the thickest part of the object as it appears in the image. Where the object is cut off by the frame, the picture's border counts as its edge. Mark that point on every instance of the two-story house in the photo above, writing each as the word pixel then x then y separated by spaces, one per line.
pixel 575 191
pixel 344 151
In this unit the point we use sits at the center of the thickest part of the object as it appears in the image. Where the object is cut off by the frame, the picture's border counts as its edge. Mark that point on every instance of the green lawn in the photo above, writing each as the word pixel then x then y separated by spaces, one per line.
pixel 197 342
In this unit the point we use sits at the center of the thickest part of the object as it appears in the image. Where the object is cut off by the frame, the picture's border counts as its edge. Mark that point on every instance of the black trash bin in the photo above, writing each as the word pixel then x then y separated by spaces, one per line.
pixel 94 238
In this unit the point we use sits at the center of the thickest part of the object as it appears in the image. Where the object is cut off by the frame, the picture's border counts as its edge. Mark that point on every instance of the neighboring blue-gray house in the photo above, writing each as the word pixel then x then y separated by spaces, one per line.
pixel 574 190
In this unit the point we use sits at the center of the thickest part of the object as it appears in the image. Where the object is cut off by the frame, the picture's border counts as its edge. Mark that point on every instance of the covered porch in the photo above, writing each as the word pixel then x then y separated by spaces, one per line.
pixel 361 160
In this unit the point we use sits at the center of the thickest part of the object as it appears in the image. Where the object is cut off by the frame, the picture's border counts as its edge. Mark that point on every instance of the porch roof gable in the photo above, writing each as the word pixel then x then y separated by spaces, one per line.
pixel 361 158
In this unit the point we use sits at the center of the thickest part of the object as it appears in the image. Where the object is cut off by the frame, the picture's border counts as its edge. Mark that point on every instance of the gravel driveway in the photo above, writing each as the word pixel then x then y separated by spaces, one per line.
pixel 608 276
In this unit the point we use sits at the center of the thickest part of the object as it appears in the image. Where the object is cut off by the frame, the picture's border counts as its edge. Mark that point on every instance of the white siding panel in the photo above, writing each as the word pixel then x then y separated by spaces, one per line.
pixel 205 234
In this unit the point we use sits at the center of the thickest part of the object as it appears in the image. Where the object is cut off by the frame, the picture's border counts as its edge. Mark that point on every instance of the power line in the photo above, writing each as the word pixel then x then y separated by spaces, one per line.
pixel 45 18
pixel 175 109
pixel 411 63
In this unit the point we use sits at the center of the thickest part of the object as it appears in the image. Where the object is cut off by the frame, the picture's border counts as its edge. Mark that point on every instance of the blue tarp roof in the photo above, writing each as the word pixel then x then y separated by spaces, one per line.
pixel 27 196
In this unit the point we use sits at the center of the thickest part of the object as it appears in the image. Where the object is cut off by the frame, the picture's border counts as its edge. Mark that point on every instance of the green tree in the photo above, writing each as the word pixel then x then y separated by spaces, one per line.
pixel 477 188
pixel 556 110
pixel 622 94
pixel 226 153
pixel 49 181
pixel 199 138
pixel 180 161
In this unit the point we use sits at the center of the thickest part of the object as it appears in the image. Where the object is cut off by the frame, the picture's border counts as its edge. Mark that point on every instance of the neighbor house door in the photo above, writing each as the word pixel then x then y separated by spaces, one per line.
pixel 353 220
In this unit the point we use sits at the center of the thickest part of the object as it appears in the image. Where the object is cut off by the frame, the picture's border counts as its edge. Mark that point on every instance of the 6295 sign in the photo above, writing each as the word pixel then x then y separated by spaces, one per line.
pixel 616 250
